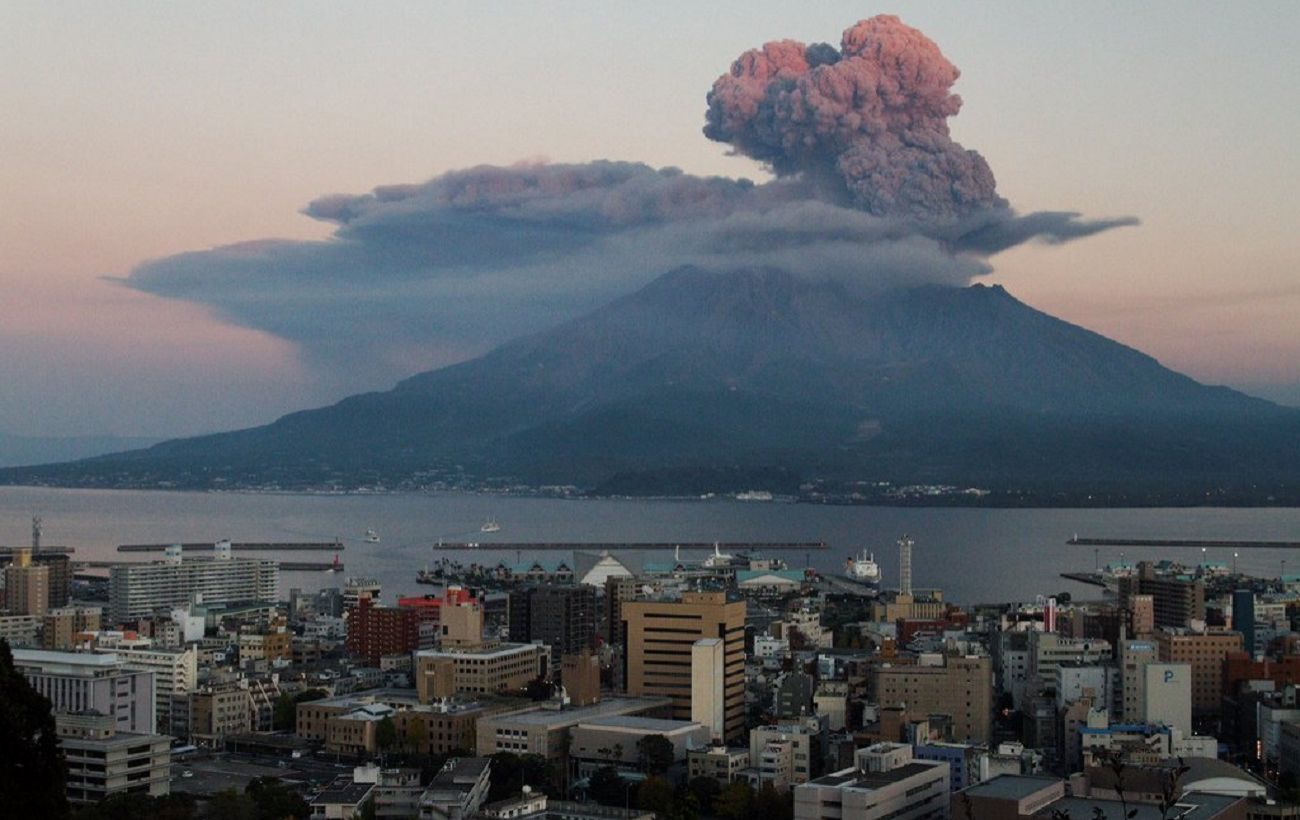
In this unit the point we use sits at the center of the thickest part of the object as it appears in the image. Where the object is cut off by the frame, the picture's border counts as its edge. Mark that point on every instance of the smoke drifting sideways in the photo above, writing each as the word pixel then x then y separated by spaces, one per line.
pixel 870 190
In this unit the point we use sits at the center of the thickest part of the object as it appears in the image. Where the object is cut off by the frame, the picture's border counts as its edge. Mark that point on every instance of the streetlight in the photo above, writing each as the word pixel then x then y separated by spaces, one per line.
pixel 1234 563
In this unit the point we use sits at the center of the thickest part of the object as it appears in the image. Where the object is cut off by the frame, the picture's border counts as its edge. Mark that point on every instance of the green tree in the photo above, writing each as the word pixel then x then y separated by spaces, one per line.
pixel 32 768
pixel 655 794
pixel 504 777
pixel 705 790
pixel 734 802
pixel 773 805
pixel 272 800
pixel 608 788
pixel 385 734
pixel 229 805
pixel 416 736
pixel 655 754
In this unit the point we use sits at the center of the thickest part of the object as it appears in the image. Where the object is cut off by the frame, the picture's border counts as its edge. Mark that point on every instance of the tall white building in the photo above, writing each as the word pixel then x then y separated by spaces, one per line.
pixel 81 681
pixel 708 692
pixel 176 672
pixel 1168 695
pixel 141 589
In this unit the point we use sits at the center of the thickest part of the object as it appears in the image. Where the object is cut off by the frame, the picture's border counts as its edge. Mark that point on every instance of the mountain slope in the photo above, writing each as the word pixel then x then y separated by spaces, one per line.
pixel 701 373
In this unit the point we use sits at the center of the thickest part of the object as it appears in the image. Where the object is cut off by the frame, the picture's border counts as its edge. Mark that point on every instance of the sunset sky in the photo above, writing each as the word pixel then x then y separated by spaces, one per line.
pixel 135 131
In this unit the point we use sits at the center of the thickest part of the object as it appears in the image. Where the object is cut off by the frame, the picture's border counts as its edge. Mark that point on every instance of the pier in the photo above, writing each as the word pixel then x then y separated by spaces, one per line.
pixel 8 552
pixel 1190 543
pixel 591 546
pixel 270 546
pixel 288 566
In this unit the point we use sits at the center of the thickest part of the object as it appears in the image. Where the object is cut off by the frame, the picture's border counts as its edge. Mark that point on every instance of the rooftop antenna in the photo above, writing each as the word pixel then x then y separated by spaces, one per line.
pixel 36 533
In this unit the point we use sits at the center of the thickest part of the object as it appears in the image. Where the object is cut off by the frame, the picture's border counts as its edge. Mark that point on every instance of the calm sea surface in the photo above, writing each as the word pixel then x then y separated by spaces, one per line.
pixel 973 555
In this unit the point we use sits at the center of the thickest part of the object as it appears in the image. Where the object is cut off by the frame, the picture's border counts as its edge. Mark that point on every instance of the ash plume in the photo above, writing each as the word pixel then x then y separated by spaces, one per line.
pixel 870 190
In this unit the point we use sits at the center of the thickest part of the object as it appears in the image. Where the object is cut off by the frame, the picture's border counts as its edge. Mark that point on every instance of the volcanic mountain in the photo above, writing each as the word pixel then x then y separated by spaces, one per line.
pixel 717 381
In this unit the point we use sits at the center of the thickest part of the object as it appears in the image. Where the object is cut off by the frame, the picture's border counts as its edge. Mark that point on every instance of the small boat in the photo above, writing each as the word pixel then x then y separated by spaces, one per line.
pixel 863 569
pixel 372 537
pixel 490 525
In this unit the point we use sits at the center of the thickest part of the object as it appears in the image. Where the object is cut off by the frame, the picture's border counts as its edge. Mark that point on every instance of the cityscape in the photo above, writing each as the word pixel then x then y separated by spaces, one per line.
pixel 649 411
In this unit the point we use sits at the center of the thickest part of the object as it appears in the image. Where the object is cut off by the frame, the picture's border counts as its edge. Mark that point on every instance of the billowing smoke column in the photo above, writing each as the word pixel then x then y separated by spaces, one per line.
pixel 867 123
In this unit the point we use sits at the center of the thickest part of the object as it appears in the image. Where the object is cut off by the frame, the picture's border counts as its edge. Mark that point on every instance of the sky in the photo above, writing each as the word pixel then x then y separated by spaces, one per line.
pixel 134 132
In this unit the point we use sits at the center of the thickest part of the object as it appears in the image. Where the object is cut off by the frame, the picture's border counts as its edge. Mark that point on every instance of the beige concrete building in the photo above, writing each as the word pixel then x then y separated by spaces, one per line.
pixel 543 730
pixel 485 669
pixel 27 585
pixel 102 761
pixel 878 787
pixel 176 672
pixel 61 626
pixel 1205 652
pixel 661 636
pixel 580 675
pixel 461 624
pixel 720 763
pixel 708 686
pixel 961 688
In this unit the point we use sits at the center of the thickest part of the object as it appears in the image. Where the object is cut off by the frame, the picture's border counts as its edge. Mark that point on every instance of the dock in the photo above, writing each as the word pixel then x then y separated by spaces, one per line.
pixel 590 546
pixel 246 546
pixel 8 552
pixel 1092 578
pixel 1190 543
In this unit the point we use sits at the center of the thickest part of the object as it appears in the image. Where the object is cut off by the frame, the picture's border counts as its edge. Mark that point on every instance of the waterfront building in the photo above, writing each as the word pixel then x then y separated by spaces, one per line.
pixel 83 681
pixel 660 639
pixel 140 589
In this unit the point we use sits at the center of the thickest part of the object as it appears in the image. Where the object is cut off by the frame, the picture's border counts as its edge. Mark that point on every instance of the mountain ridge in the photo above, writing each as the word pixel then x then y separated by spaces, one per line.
pixel 758 372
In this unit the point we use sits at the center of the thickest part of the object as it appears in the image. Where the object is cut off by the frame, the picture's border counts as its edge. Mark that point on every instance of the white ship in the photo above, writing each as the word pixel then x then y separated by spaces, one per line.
pixel 490 525
pixel 718 558
pixel 863 569
pixel 372 537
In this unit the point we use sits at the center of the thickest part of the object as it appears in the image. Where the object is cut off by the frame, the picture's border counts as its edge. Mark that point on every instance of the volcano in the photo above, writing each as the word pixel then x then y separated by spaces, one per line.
pixel 707 381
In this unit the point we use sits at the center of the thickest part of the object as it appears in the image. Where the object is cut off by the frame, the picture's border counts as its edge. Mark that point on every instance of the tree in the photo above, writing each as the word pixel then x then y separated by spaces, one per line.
pixel 285 714
pixel 770 804
pixel 229 805
pixel 734 802
pixel 32 769
pixel 504 776
pixel 385 734
pixel 607 787
pixel 705 789
pixel 655 794
pixel 655 753
pixel 416 735
pixel 272 800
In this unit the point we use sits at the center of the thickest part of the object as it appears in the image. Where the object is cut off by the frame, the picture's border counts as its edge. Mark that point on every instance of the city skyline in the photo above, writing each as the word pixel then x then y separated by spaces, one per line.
pixel 144 132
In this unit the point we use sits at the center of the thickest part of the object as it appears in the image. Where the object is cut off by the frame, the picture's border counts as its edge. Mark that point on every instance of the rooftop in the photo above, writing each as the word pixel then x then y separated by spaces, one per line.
pixel 1189 807
pixel 655 726
pixel 858 779
pixel 1013 787
pixel 343 792
pixel 556 718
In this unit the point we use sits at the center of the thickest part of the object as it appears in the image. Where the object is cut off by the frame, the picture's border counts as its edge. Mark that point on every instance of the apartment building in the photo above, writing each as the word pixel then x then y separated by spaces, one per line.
pixel 140 589
pixel 102 761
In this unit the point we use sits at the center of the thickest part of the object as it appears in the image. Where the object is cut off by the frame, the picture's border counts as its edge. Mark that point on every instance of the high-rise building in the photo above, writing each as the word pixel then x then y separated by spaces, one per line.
pixel 136 590
pixel 1176 601
pixel 960 689
pixel 1243 617
pixel 376 631
pixel 661 636
pixel 27 585
pixel 61 625
pixel 562 617
pixel 1205 652
pixel 708 685
pixel 80 681
pixel 619 590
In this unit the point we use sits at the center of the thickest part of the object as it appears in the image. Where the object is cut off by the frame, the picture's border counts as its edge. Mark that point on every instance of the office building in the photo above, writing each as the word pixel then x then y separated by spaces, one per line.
pixel 1168 696
pixel 27 585
pixel 81 682
pixel 1243 618
pixel 708 685
pixel 545 731
pixel 61 626
pixel 486 669
pixel 580 675
pixel 375 631
pixel 561 617
pixel 619 589
pixel 613 741
pixel 1205 652
pixel 880 786
pixel 103 760
pixel 661 636
pixel 717 762
pixel 457 791
pixel 176 672
pixel 1176 600
pixel 959 688
pixel 138 590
